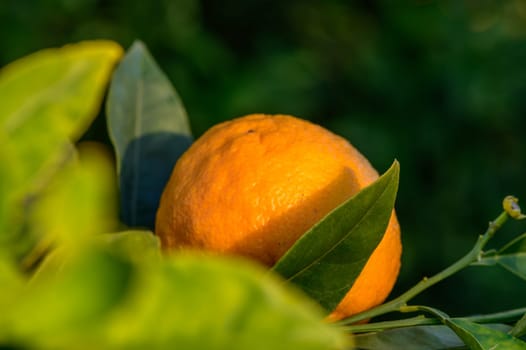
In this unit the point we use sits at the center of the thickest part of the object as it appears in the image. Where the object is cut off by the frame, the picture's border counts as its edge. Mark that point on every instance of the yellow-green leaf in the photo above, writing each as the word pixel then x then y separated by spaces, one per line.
pixel 98 299
pixel 48 99
pixel 79 202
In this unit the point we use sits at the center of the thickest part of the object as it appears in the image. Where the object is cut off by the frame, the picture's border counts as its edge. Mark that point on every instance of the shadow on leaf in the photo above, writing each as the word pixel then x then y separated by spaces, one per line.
pixel 146 167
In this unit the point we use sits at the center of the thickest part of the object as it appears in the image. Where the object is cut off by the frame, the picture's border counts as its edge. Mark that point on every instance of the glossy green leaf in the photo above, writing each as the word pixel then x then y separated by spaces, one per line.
pixel 479 337
pixel 149 130
pixel 415 338
pixel 520 327
pixel 48 99
pixel 327 259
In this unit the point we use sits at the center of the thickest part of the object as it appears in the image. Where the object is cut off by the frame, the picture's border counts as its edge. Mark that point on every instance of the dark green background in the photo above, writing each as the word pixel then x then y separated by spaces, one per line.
pixel 439 85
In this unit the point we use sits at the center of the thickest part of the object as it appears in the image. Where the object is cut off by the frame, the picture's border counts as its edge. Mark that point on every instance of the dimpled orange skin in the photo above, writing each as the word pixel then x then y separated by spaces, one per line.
pixel 253 185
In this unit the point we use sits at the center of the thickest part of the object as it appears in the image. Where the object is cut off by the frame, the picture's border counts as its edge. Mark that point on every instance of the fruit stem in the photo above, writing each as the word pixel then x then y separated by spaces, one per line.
pixel 400 302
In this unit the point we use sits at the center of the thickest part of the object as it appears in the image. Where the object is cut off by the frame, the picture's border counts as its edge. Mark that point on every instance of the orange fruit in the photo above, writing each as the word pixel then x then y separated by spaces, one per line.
pixel 253 185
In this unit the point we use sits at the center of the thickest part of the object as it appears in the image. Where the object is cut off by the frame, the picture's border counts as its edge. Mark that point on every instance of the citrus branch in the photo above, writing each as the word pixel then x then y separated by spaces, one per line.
pixel 421 320
pixel 400 302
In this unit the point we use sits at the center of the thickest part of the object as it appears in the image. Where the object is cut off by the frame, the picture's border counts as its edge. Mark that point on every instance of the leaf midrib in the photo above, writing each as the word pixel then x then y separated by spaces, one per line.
pixel 139 101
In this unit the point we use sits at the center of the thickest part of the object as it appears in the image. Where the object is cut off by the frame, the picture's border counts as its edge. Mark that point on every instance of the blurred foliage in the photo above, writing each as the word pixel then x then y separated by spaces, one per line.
pixel 439 85
pixel 66 282
pixel 39 122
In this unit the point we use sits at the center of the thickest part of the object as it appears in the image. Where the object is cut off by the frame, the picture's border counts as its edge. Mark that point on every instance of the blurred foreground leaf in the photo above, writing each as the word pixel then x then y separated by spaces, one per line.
pixel 8 170
pixel 136 245
pixel 149 130
pixel 47 100
pixel 479 337
pixel 211 303
pixel 11 283
pixel 63 301
pixel 100 300
pixel 327 259
pixel 84 191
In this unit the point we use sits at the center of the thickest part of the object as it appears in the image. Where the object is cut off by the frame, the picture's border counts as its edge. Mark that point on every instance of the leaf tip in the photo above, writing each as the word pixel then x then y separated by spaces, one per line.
pixel 138 45
pixel 396 164
pixel 394 170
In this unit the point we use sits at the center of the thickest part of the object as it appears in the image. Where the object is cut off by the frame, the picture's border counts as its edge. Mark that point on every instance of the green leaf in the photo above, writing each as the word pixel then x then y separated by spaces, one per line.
pixel 141 247
pixel 436 337
pixel 517 245
pixel 327 259
pixel 479 337
pixel 204 302
pixel 520 327
pixel 58 91
pixel 11 284
pixel 7 201
pixel 9 275
pixel 511 257
pixel 149 130
pixel 98 300
pixel 80 201
pixel 138 246
pixel 515 263
pixel 47 100
pixel 58 305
